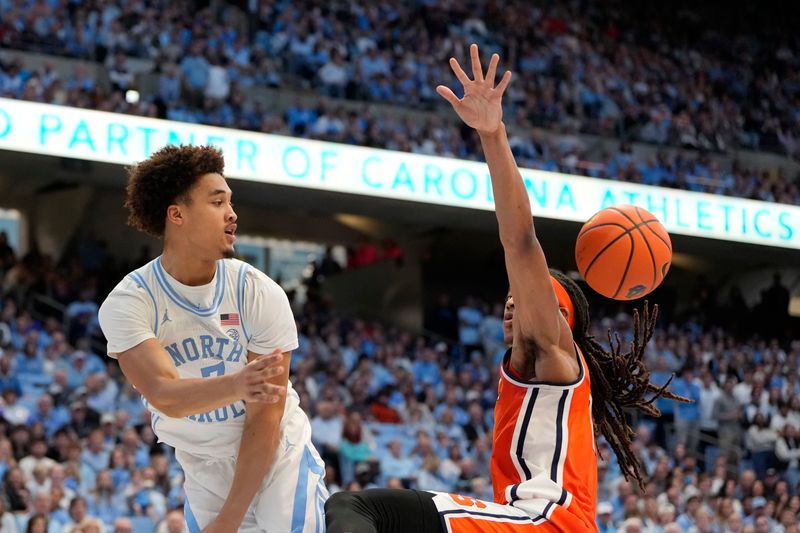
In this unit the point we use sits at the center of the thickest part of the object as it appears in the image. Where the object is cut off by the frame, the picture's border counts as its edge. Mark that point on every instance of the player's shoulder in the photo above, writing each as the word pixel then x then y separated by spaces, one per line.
pixel 137 283
pixel 248 276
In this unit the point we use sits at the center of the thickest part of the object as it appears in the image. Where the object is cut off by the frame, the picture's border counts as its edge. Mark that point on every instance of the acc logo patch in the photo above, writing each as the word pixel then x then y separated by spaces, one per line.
pixel 636 289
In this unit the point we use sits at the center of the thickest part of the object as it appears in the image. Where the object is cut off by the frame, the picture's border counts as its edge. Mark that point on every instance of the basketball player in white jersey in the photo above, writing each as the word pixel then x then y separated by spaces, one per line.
pixel 206 339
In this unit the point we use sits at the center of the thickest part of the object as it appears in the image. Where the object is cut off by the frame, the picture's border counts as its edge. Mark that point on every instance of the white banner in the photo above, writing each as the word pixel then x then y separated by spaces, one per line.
pixel 124 139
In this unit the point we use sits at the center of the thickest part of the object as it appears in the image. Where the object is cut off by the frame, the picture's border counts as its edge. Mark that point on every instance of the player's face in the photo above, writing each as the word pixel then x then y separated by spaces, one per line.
pixel 210 221
pixel 508 321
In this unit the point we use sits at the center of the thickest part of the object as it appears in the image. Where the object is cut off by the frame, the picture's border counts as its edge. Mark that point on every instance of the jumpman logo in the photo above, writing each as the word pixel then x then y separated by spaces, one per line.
pixel 166 318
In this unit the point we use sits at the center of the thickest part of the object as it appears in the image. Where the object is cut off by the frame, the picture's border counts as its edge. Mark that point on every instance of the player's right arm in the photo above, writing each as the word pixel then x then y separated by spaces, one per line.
pixel 127 319
pixel 149 368
pixel 538 324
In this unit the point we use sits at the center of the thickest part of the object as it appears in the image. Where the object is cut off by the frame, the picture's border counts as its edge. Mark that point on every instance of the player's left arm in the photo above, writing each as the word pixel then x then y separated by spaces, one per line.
pixel 537 319
pixel 260 440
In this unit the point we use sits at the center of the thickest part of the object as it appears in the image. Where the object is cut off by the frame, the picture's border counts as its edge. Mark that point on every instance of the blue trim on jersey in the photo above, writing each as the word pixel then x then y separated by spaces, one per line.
pixel 308 465
pixel 488 515
pixel 155 419
pixel 316 512
pixel 523 431
pixel 219 290
pixel 240 288
pixel 139 280
pixel 191 521
pixel 321 489
pixel 559 437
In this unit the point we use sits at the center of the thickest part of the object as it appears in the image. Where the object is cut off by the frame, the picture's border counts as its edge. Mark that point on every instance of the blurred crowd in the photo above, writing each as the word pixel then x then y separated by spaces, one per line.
pixel 581 67
pixel 388 408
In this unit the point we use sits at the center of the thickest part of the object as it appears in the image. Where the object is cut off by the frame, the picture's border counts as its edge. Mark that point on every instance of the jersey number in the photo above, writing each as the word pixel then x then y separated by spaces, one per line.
pixel 465 501
pixel 213 370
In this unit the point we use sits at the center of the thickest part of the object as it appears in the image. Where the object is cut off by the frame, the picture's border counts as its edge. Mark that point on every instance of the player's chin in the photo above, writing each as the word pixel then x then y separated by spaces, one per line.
pixel 228 252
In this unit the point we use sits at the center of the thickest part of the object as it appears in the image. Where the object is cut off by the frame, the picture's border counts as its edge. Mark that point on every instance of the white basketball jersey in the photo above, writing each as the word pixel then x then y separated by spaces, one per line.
pixel 206 331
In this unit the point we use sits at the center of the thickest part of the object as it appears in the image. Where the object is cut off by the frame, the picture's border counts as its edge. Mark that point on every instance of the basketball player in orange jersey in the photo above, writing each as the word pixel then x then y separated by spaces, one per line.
pixel 557 386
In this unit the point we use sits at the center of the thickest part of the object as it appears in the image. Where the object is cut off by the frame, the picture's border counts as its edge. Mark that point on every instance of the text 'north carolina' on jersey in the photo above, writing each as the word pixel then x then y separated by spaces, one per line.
pixel 206 331
pixel 544 457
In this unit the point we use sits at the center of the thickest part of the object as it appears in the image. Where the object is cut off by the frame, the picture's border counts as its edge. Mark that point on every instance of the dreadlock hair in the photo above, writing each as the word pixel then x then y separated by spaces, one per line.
pixel 619 380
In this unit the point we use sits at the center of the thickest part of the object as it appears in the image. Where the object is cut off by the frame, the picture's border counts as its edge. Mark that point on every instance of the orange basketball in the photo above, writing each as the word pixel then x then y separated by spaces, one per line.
pixel 623 252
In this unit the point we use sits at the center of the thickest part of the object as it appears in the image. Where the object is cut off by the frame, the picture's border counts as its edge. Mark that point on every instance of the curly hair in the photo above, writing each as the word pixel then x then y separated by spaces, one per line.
pixel 164 178
pixel 620 380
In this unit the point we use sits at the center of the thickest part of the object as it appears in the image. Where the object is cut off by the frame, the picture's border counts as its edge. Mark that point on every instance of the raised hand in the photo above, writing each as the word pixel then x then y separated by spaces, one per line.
pixel 251 382
pixel 481 106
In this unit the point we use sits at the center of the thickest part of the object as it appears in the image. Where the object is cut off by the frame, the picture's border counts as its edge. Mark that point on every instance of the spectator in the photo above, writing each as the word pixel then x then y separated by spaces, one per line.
pixel 52 417
pixel 469 320
pixel 95 456
pixel 41 508
pixel 14 412
pixel 38 524
pixel 118 73
pixel 195 69
pixel 15 491
pixel 357 445
pixel 429 478
pixel 104 502
pixel 399 465
pixel 729 414
pixel 326 432
pixel 787 452
pixel 8 378
pixel 123 525
pixel 476 428
pixel 334 76
pixel 687 415
pixel 173 523
pixel 426 370
pixel 760 441
pixel 37 458
pixel 491 332
pixel 218 85
pixel 709 393
pixel 605 523
pixel 169 89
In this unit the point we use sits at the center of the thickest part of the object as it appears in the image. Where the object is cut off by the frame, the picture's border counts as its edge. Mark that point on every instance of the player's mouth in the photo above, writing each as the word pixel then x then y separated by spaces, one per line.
pixel 230 232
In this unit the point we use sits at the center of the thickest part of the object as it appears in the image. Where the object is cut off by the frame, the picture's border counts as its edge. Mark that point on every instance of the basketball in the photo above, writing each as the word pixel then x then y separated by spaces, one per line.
pixel 623 252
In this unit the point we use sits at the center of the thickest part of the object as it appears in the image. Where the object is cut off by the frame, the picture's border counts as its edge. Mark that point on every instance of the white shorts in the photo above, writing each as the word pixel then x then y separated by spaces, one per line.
pixel 291 498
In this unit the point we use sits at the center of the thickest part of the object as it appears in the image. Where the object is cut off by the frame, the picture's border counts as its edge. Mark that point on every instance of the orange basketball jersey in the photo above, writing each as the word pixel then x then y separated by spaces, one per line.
pixel 544 460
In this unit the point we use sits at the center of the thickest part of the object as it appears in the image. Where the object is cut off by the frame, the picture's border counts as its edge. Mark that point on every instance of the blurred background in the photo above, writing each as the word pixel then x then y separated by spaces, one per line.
pixel 390 258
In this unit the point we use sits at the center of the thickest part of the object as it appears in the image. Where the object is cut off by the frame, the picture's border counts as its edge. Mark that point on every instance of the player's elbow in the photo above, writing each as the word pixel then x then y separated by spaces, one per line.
pixel 518 239
pixel 169 408
pixel 158 395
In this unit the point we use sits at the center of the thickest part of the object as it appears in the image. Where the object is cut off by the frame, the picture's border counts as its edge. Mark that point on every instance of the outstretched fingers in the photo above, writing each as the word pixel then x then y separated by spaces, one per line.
pixel 506 79
pixel 477 70
pixel 492 70
pixel 447 94
pixel 459 72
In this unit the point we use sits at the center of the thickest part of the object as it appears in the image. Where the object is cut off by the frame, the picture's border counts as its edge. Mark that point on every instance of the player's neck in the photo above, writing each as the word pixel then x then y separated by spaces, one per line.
pixel 191 271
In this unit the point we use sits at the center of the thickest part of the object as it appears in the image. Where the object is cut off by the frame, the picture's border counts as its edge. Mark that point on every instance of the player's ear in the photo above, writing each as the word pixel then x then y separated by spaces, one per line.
pixel 565 312
pixel 174 214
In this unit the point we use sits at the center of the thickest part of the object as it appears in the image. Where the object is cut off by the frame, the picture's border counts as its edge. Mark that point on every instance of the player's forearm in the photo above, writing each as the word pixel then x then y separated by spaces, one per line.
pixel 183 397
pixel 512 205
pixel 260 439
